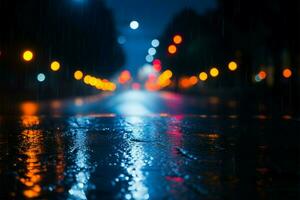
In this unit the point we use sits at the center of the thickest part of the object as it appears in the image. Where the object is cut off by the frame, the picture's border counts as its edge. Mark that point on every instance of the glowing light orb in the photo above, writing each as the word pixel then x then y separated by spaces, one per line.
pixel 78 75
pixel 149 58
pixel 203 76
pixel 232 66
pixel 262 74
pixel 177 39
pixel 41 77
pixel 27 55
pixel 134 25
pixel 287 73
pixel 214 72
pixel 172 49
pixel 152 51
pixel 121 40
pixel 55 66
pixel 155 43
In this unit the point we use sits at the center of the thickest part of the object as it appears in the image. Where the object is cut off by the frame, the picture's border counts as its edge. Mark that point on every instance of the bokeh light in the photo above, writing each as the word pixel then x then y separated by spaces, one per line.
pixel 184 83
pixel 168 74
pixel 214 72
pixel 193 80
pixel 134 25
pixel 177 39
pixel 152 51
pixel 232 66
pixel 136 86
pixel 121 39
pixel 149 58
pixel 87 79
pixel 155 43
pixel 203 76
pixel 287 73
pixel 55 66
pixel 257 78
pixel 78 75
pixel 262 74
pixel 27 55
pixel 172 49
pixel 124 77
pixel 29 108
pixel 41 77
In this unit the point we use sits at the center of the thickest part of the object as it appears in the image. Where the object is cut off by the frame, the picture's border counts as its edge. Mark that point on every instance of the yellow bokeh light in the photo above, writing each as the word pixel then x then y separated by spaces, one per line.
pixel 87 79
pixel 78 75
pixel 203 76
pixel 93 81
pixel 167 74
pixel 232 66
pixel 214 72
pixel 55 66
pixel 28 55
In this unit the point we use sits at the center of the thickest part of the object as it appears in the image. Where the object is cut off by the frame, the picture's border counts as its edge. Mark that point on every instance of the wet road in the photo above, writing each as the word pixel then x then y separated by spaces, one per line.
pixel 139 145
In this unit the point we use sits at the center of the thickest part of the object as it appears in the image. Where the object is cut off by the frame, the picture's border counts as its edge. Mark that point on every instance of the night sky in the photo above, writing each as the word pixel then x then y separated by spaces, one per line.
pixel 153 16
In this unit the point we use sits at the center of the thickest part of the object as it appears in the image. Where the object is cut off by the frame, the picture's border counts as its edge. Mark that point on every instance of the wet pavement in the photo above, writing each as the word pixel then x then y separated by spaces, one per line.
pixel 139 145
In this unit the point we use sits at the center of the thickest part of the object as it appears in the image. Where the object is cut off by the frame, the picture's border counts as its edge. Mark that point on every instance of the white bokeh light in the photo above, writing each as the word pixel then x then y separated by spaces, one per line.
pixel 134 25
pixel 149 58
pixel 155 43
pixel 152 51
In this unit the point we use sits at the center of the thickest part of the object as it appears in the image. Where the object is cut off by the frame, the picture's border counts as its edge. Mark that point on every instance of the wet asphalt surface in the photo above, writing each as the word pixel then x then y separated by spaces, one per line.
pixel 139 145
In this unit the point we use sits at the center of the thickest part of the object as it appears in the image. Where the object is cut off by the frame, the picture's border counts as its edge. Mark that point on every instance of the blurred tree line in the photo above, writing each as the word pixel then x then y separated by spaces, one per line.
pixel 78 34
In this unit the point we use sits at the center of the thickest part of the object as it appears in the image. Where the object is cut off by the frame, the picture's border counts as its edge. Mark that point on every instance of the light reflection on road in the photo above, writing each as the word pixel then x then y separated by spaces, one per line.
pixel 82 165
pixel 134 160
pixel 32 147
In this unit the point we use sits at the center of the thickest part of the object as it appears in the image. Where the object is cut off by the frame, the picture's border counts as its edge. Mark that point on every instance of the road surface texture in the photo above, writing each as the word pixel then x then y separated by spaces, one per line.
pixel 140 145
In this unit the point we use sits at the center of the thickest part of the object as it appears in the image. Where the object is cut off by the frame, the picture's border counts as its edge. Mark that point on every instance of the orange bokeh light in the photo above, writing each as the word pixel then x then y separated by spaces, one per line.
pixel 172 49
pixel 184 83
pixel 287 73
pixel 125 76
pixel 262 74
pixel 193 80
pixel 177 39
pixel 29 108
